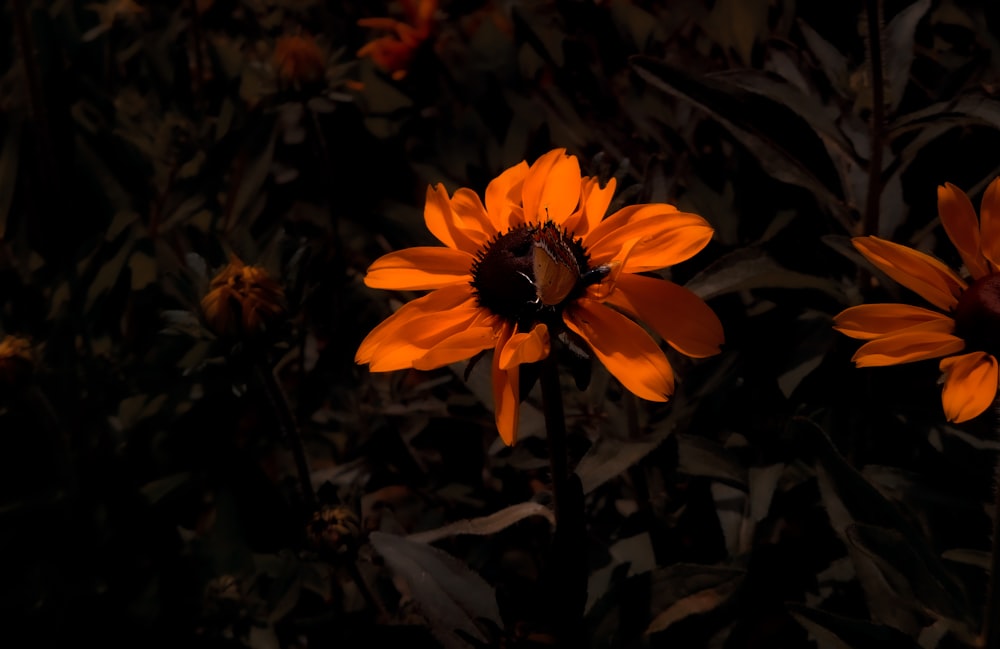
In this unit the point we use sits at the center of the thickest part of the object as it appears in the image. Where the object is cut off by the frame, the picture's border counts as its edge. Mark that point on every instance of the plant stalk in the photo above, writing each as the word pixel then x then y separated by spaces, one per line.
pixel 990 636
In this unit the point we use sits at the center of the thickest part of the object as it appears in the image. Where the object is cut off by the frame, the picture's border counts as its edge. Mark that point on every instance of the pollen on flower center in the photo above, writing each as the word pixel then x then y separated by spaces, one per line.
pixel 977 316
pixel 528 272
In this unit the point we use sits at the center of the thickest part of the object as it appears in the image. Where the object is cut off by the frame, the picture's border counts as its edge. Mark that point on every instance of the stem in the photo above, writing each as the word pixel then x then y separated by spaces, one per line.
pixel 873 12
pixel 555 429
pixel 36 99
pixel 990 637
pixel 366 591
pixel 289 429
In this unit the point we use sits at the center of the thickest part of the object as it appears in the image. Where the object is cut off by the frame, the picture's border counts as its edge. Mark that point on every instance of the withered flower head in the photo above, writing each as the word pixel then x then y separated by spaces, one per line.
pixel 17 360
pixel 242 300
pixel 334 529
pixel 299 59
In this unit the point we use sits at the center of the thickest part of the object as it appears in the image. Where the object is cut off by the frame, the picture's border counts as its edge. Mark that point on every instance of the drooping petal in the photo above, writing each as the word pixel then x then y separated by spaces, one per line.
pixel 989 217
pixel 917 271
pixel 506 391
pixel 675 313
pixel 970 385
pixel 629 353
pixel 665 237
pixel 907 346
pixel 461 345
pixel 503 193
pixel 458 231
pixel 869 321
pixel 525 348
pixel 959 220
pixel 420 268
pixel 551 188
pixel 594 201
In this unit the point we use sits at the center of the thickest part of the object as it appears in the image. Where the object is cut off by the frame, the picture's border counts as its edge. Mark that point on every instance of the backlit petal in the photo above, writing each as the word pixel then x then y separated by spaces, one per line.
pixel 594 201
pixel 959 220
pixel 629 353
pixel 506 392
pixel 665 237
pixel 551 189
pixel 907 346
pixel 675 313
pixel 420 268
pixel 868 321
pixel 452 229
pixel 917 271
pixel 989 216
pixel 525 348
pixel 503 193
pixel 461 345
pixel 970 385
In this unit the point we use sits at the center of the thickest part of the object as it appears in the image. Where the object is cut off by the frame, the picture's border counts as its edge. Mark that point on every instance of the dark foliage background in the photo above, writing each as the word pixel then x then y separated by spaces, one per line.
pixel 784 498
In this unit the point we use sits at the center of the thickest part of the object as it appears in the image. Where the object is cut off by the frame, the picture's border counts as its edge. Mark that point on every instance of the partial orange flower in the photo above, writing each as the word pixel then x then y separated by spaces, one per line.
pixel 964 328
pixel 394 51
pixel 538 259
pixel 17 360
pixel 242 300
pixel 299 59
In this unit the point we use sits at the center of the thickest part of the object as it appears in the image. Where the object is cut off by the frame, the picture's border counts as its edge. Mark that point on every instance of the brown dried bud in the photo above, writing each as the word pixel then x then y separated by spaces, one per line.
pixel 299 59
pixel 17 360
pixel 242 300
pixel 334 529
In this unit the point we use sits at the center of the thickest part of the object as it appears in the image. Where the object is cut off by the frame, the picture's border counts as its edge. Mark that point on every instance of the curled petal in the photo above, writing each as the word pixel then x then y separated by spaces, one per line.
pixel 675 313
pixel 870 321
pixel 551 188
pixel 665 237
pixel 420 268
pixel 629 353
pixel 907 346
pixel 594 202
pixel 989 216
pixel 464 344
pixel 506 391
pixel 917 271
pixel 458 231
pixel 959 220
pixel 503 193
pixel 525 348
pixel 970 385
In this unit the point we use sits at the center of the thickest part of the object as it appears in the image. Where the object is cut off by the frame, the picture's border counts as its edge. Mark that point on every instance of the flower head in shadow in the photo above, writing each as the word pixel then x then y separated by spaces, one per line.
pixel 298 59
pixel 242 300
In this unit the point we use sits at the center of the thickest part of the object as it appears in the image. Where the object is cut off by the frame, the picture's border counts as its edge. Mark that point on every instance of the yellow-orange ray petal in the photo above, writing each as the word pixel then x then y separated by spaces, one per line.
pixel 594 202
pixel 451 229
pixel 629 353
pixel 907 346
pixel 525 348
pixel 989 217
pixel 420 268
pixel 429 314
pixel 970 385
pixel 551 189
pixel 503 193
pixel 461 345
pixel 869 321
pixel 665 237
pixel 675 313
pixel 960 223
pixel 470 210
pixel 917 271
pixel 506 391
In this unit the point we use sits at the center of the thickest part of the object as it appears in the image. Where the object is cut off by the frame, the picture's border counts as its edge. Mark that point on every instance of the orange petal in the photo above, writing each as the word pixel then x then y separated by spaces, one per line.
pixel 420 268
pixel 959 220
pixel 525 348
pixel 869 321
pixel 506 391
pixel 594 201
pixel 503 193
pixel 989 216
pixel 907 346
pixel 970 385
pixel 666 237
pixel 551 188
pixel 464 344
pixel 470 210
pixel 451 229
pixel 629 353
pixel 675 313
pixel 917 271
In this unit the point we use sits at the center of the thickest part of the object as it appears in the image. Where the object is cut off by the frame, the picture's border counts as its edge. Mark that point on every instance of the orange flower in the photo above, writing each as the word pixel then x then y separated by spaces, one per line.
pixel 394 51
pixel 968 315
pixel 298 59
pixel 538 260
pixel 242 299
pixel 17 360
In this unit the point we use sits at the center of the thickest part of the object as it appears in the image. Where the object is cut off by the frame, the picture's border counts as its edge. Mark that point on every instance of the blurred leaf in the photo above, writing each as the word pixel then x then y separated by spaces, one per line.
pixel 977 558
pixel 737 25
pixel 9 158
pixel 696 603
pixel 899 42
pixel 750 268
pixel 698 456
pixel 157 490
pixel 685 589
pixel 610 456
pixel 847 633
pixel 486 524
pixel 448 593
pixel 831 60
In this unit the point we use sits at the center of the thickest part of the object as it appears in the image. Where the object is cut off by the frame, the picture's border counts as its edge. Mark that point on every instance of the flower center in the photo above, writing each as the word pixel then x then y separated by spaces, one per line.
pixel 977 316
pixel 529 272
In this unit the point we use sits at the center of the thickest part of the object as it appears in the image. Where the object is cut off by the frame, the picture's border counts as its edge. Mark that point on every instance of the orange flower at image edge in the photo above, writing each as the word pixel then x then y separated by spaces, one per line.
pixel 965 329
pixel 537 259
pixel 394 51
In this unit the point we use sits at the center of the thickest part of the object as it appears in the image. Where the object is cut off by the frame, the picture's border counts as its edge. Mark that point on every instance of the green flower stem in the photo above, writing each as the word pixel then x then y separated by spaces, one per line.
pixel 289 429
pixel 990 638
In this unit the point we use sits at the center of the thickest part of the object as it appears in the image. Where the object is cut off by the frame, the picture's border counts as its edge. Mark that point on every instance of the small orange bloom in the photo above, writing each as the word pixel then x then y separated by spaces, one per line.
pixel 299 59
pixel 17 360
pixel 538 259
pixel 394 51
pixel 242 299
pixel 965 328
